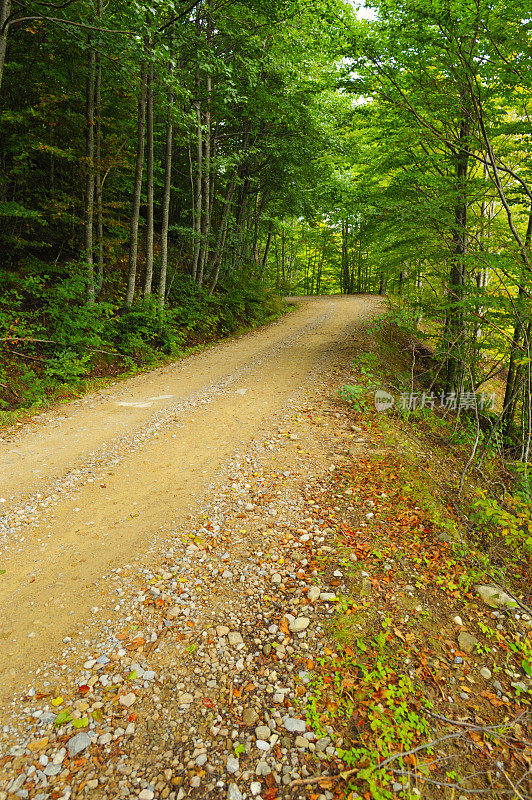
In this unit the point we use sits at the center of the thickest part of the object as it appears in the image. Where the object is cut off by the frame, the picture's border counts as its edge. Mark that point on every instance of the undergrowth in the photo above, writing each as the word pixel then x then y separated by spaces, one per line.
pixel 53 346
pixel 411 713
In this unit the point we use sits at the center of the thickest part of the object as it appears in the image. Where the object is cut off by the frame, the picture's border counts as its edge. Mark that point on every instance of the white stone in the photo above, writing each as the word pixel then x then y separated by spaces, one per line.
pixel 494 596
pixel 294 725
pixel 299 624
pixel 233 765
pixel 313 594
pixel 127 700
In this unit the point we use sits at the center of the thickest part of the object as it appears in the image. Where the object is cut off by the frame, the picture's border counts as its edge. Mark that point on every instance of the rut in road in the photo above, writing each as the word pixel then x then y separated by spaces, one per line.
pixel 93 485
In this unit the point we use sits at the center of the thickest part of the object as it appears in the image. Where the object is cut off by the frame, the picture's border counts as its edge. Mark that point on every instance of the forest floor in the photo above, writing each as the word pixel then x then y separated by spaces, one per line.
pixel 216 581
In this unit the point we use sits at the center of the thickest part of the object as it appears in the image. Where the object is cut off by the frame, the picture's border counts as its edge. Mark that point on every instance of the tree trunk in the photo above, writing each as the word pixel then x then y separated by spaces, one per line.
pixel 5 11
pixel 222 234
pixel 148 275
pixel 166 192
pixel 206 214
pixel 513 379
pixel 137 188
pixel 198 184
pixel 455 321
pixel 264 261
pixel 98 162
pixel 89 181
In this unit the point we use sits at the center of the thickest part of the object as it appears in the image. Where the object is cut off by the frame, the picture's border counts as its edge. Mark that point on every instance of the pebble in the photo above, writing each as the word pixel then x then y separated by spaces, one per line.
pixel 78 743
pixel 255 788
pixel 234 638
pixel 127 700
pixel 466 642
pixel 232 765
pixel 233 792
pixel 299 624
pixel 146 794
pixel 486 673
pixel 313 594
pixel 294 725
pixel 250 716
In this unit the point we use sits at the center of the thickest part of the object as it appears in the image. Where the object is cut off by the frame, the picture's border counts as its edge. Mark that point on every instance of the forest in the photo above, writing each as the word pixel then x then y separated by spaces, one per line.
pixel 169 170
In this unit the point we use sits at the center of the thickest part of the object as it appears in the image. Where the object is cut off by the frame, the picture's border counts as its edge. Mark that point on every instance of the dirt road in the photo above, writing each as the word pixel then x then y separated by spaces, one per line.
pixel 85 488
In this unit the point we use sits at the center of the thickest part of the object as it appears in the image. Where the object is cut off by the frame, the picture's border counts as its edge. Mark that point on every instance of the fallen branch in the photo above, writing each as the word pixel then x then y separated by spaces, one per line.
pixel 429 745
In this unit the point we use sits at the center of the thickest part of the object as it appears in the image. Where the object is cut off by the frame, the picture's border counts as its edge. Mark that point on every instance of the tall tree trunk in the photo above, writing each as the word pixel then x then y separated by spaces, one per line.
pixel 455 317
pixel 98 162
pixel 5 11
pixel 137 188
pixel 222 234
pixel 166 192
pixel 89 181
pixel 264 261
pixel 148 275
pixel 206 214
pixel 515 370
pixel 198 184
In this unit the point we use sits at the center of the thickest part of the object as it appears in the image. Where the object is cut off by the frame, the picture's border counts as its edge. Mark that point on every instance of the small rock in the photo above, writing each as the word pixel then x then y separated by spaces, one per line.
pixel 250 716
pixel 263 732
pixel 486 673
pixel 222 630
pixel 146 794
pixel 78 743
pixel 234 638
pixel 494 596
pixel 458 621
pixel 302 742
pixel 255 788
pixel 233 792
pixel 201 760
pixel 185 699
pixel 294 725
pixel 277 578
pixel 127 700
pixel 195 782
pixel 466 642
pixel 232 765
pixel 313 594
pixel 299 624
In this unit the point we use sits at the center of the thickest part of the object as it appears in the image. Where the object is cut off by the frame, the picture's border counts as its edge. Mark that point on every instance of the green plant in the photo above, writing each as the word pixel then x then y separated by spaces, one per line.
pixel 354 395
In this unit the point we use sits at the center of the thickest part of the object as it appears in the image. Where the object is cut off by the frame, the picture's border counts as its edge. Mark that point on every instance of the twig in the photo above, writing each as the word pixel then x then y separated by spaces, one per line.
pixel 444 784
pixel 349 772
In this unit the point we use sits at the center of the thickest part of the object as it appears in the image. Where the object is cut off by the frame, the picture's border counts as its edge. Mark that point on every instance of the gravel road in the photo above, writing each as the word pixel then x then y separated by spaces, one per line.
pixel 155 545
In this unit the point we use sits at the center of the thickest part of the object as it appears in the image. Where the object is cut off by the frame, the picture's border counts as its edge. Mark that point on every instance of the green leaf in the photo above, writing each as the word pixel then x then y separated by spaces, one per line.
pixel 62 717
pixel 80 723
